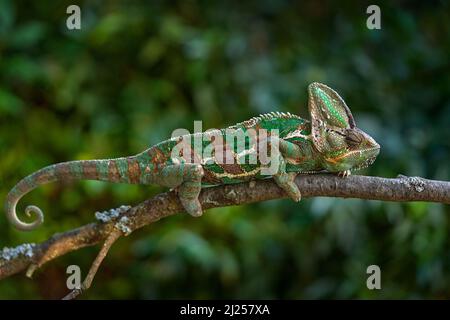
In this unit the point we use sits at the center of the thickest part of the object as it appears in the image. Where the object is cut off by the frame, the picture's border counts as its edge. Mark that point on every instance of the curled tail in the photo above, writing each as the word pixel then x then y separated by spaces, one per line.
pixel 125 170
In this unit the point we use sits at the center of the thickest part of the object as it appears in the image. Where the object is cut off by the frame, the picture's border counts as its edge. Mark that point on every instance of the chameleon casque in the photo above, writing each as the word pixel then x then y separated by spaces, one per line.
pixel 329 142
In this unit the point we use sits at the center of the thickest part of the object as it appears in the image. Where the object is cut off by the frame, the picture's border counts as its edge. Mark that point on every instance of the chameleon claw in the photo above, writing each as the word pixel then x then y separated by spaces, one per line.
pixel 295 195
pixel 344 174
pixel 192 206
pixel 286 182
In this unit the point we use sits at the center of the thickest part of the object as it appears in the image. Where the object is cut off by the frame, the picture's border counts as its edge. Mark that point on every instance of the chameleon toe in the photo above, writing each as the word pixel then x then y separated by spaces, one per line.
pixel 294 193
pixel 286 182
pixel 192 206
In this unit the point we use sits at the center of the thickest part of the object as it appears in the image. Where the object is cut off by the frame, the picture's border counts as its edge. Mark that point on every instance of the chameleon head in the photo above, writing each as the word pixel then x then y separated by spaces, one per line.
pixel 341 145
pixel 351 149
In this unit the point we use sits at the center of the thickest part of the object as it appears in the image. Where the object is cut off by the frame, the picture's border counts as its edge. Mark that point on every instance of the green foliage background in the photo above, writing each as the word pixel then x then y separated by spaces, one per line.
pixel 138 70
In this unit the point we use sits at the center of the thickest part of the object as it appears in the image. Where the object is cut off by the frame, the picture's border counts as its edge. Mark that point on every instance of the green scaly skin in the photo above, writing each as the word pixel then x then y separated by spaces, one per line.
pixel 330 142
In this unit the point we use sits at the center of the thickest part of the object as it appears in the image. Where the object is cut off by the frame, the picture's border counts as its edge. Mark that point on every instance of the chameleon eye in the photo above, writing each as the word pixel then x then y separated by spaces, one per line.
pixel 352 138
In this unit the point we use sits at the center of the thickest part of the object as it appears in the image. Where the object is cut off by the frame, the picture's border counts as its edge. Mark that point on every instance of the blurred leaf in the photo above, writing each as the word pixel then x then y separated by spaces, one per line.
pixel 9 103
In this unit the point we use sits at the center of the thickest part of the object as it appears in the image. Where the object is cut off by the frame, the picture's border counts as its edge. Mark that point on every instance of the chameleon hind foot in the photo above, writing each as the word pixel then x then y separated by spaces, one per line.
pixel 189 190
pixel 286 182
pixel 186 180
pixel 193 207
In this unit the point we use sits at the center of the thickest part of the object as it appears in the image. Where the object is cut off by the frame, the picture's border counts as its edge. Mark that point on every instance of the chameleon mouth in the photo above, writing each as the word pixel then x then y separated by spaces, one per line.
pixel 366 163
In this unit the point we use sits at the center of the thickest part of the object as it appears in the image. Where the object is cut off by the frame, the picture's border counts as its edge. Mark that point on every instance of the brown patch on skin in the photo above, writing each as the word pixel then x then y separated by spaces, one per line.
pixel 134 171
pixel 332 160
pixel 113 171
pixel 13 195
pixel 43 177
pixel 296 161
pixel 257 126
pixel 62 171
pixel 23 187
pixel 210 177
pixel 336 159
pixel 182 155
pixel 303 127
pixel 233 169
pixel 90 170
pixel 157 157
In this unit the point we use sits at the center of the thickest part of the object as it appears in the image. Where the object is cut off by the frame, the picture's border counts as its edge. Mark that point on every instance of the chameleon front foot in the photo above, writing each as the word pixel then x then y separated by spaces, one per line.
pixel 344 174
pixel 286 182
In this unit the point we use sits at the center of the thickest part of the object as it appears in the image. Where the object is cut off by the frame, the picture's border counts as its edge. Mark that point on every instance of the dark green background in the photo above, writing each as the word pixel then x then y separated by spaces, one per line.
pixel 138 70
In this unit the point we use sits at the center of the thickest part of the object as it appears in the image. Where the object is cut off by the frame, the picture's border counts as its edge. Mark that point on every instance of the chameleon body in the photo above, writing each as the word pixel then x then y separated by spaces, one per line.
pixel 329 141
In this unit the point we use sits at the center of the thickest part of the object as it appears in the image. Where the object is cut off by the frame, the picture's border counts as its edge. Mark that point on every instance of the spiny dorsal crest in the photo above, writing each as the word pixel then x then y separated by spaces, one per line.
pixel 266 116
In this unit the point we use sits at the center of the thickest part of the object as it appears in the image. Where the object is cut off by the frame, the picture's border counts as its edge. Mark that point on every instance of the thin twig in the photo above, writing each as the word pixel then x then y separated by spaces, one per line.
pixel 115 234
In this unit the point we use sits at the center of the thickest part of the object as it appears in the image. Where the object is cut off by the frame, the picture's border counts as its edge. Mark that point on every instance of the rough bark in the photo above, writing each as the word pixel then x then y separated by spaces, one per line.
pixel 374 188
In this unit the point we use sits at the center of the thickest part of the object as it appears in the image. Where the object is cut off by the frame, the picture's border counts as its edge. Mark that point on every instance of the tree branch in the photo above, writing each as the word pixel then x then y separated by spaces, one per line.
pixel 375 188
